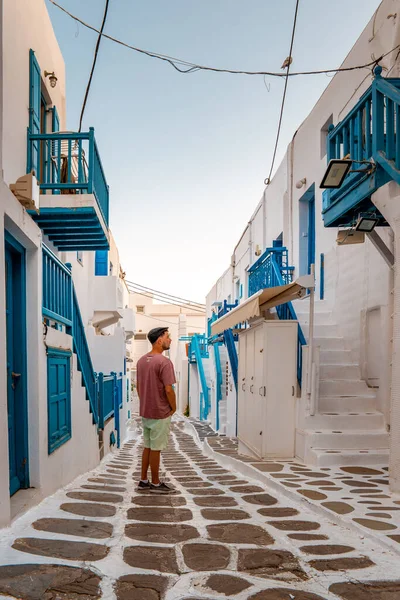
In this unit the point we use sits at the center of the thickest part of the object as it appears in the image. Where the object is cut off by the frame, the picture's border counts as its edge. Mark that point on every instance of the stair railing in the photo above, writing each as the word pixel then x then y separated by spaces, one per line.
pixel 85 366
pixel 198 352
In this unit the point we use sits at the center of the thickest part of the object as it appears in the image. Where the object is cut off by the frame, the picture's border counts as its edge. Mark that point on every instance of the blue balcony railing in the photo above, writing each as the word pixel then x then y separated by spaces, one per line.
pixel 69 163
pixel 368 136
pixel 272 270
pixel 57 289
pixel 261 274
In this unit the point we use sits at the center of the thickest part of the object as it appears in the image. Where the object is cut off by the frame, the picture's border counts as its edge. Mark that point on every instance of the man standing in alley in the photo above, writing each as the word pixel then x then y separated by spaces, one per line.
pixel 155 378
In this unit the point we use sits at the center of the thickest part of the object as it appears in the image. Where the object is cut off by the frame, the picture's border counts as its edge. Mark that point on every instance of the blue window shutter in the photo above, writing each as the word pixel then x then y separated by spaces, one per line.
pixel 58 398
pixel 101 265
pixel 241 291
pixel 55 120
pixel 35 82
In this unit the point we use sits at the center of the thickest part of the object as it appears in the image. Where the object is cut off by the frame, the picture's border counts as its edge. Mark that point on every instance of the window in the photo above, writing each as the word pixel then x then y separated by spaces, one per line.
pixel 140 309
pixel 79 257
pixel 140 336
pixel 58 398
pixel 324 135
pixel 101 262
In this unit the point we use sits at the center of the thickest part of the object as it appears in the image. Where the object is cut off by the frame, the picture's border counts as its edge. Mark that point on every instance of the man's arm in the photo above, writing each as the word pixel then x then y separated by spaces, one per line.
pixel 169 390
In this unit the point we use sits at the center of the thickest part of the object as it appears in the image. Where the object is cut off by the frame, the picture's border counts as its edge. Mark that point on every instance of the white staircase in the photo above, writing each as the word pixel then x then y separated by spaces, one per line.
pixel 346 429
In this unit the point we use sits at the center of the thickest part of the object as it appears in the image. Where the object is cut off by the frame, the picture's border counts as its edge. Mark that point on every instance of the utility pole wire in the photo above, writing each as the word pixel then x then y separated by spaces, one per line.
pixel 96 51
pixel 288 62
pixel 195 67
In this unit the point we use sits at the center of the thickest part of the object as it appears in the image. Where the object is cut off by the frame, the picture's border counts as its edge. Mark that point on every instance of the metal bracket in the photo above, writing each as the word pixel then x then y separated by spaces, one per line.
pixel 380 245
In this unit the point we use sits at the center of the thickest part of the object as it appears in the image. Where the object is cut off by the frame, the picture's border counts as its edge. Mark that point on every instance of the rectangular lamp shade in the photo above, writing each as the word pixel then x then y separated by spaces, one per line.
pixel 335 173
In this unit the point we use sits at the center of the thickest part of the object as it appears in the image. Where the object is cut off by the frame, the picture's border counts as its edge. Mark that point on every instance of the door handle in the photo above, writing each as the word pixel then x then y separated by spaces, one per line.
pixel 251 389
pixel 243 386
pixel 262 391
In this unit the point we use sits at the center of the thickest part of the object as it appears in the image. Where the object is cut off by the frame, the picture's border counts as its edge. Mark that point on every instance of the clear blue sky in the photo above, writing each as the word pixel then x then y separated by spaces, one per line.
pixel 186 155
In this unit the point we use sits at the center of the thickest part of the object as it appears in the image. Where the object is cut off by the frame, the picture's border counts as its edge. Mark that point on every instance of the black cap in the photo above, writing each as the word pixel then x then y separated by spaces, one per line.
pixel 156 333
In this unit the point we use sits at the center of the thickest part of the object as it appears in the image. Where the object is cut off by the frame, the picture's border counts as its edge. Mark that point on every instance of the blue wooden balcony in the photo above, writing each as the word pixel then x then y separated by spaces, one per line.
pixel 368 136
pixel 74 200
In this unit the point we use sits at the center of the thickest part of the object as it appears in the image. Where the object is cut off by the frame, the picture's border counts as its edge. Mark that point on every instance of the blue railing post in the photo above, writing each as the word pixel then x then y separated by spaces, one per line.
pixel 91 160
pixel 116 408
pixel 100 384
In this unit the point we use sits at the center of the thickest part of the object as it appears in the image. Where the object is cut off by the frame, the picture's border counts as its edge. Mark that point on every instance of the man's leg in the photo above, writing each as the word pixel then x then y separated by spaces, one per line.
pixel 155 466
pixel 145 463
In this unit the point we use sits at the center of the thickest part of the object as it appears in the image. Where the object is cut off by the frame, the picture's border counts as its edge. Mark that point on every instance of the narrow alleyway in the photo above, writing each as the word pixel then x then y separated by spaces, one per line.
pixel 221 535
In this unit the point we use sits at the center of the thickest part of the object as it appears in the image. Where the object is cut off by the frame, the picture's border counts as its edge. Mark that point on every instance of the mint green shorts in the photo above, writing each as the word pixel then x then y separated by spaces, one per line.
pixel 156 433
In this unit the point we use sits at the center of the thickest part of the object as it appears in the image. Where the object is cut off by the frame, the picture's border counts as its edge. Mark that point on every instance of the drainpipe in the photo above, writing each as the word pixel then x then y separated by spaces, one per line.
pixel 309 383
pixel 264 213
pixel 290 194
pixel 387 200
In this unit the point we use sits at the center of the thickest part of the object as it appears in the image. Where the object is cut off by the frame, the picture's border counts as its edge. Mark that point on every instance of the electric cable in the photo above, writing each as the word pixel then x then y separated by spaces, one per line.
pixel 161 298
pixel 152 296
pixel 158 292
pixel 192 67
pixel 170 322
pixel 289 62
pixel 96 51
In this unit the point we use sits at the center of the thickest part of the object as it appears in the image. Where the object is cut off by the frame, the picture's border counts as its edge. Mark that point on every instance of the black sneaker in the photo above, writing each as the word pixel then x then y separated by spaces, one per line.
pixel 143 486
pixel 163 488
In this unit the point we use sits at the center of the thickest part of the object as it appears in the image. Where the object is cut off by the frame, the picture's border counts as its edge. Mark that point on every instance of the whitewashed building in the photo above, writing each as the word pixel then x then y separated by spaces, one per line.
pixel 183 323
pixel 64 395
pixel 347 404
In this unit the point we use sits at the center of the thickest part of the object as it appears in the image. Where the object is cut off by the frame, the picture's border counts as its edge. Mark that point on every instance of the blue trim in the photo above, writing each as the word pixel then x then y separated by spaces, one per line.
pixel 35 96
pixel 19 360
pixel 322 277
pixel 218 383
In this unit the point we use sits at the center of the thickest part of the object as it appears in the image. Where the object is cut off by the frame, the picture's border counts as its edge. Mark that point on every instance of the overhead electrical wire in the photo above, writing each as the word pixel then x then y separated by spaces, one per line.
pixel 192 67
pixel 289 62
pixel 170 322
pixel 153 296
pixel 96 51
pixel 183 300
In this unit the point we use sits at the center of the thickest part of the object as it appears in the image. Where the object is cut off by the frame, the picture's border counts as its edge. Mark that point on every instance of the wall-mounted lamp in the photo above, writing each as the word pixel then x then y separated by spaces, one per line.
pixel 339 168
pixel 300 183
pixel 366 223
pixel 52 78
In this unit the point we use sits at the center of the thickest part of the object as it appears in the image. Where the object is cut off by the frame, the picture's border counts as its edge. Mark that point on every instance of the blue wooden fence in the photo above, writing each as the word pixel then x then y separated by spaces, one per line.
pixel 57 289
pixel 110 400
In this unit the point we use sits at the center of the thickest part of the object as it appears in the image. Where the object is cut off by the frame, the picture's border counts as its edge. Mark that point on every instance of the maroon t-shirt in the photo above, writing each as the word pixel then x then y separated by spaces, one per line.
pixel 154 372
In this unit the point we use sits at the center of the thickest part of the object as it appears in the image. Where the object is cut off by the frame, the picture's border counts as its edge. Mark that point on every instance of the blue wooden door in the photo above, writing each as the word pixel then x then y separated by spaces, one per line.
pixel 16 372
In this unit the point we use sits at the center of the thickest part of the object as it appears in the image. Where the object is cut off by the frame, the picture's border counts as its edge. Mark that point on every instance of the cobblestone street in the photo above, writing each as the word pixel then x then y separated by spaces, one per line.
pixel 221 535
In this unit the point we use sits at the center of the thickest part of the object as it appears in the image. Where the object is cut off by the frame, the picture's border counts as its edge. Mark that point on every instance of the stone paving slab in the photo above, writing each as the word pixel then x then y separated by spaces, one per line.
pixel 352 493
pixel 227 537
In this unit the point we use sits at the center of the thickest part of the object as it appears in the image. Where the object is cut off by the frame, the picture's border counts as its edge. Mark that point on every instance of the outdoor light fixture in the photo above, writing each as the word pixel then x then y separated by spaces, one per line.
pixel 52 78
pixel 300 183
pixel 335 173
pixel 366 223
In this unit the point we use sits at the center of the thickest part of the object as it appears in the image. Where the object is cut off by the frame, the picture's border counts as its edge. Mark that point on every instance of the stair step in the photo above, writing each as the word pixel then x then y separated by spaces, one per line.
pixel 347 404
pixel 347 440
pixel 346 421
pixel 320 329
pixel 339 371
pixel 342 387
pixel 335 356
pixel 329 343
pixel 330 458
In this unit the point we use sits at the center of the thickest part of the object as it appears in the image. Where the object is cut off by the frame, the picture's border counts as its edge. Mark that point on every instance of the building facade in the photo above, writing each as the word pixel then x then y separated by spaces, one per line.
pixel 349 415
pixel 64 309
pixel 183 323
